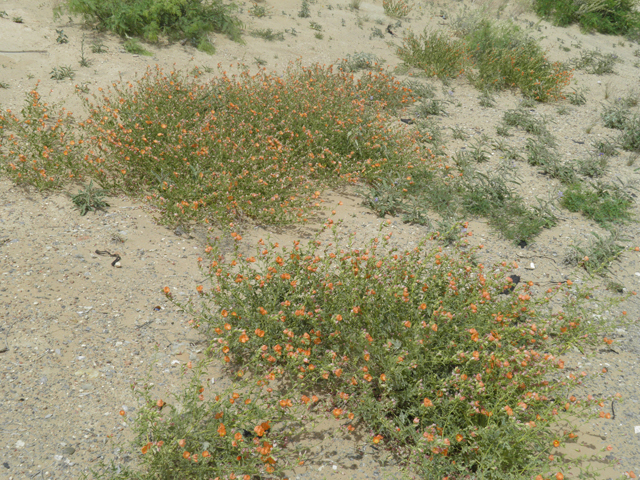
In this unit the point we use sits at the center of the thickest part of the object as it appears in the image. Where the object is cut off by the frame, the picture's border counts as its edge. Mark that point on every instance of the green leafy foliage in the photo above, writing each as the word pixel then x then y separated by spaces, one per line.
pixel 89 199
pixel 176 19
pixel 613 17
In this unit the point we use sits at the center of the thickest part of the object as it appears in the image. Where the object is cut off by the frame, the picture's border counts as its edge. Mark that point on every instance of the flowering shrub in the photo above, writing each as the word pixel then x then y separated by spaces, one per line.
pixel 232 435
pixel 40 147
pixel 260 146
pixel 494 57
pixel 420 347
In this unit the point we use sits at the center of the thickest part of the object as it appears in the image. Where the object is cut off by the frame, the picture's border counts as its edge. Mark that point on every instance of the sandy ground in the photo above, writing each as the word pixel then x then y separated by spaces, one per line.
pixel 75 332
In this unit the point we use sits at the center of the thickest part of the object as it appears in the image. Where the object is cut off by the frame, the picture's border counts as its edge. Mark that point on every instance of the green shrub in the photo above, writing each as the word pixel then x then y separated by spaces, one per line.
pixel 505 57
pixel 176 19
pixel 630 138
pixel 437 53
pixel 604 203
pixel 495 56
pixel 613 17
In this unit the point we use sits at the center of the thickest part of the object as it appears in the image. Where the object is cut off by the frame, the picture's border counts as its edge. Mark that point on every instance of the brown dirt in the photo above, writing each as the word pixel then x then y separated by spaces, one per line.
pixel 78 331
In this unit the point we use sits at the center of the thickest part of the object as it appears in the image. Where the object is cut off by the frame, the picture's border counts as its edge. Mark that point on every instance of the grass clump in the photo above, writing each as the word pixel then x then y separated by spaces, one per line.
pixel 604 203
pixel 365 330
pixel 612 17
pixel 437 53
pixel 176 19
pixel 615 115
pixel 630 138
pixel 133 46
pixel 597 255
pixel 397 8
pixel 267 34
pixel 494 56
pixel 596 63
pixel 360 61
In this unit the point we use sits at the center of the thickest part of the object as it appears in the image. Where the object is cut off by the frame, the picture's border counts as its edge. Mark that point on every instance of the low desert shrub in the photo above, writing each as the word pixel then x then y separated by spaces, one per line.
pixel 149 19
pixel 604 203
pixel 613 17
pixel 417 347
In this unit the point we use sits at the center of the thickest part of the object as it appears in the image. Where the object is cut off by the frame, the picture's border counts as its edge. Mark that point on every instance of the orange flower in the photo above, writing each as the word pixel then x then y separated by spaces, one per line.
pixel 123 413
pixel 336 412
pixel 427 403
pixel 160 403
pixel 186 454
pixel 206 454
pixel 262 311
pixel 377 439
pixel 337 372
pixel 244 338
pixel 304 399
pixel 166 290
pixel 222 431
pixel 423 306
pixel 459 438
pixel 556 443
pixel 338 318
pixel 559 476
pixel 259 333
pixel 383 378
pixel 145 449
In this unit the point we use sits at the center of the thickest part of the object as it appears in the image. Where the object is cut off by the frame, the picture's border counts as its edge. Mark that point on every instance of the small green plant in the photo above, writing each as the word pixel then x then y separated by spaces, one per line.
pixel 615 115
pixel 17 20
pixel 606 147
pixel 134 47
pixel 530 123
pixel 89 199
pixel 315 26
pixel 268 34
pixel 4 85
pixel 577 97
pixel 431 106
pixel 376 33
pixel 478 153
pixel 259 11
pixel 62 37
pixel 602 202
pixel 354 4
pixel 319 35
pixel 630 138
pixel 596 63
pixel 598 254
pixel 60 73
pixel 98 47
pixel 397 8
pixel 304 12
pixel 3 14
pixel 360 61
pixel 84 61
pixel 593 165
pixel 259 61
pixel 458 133
pixel 487 100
